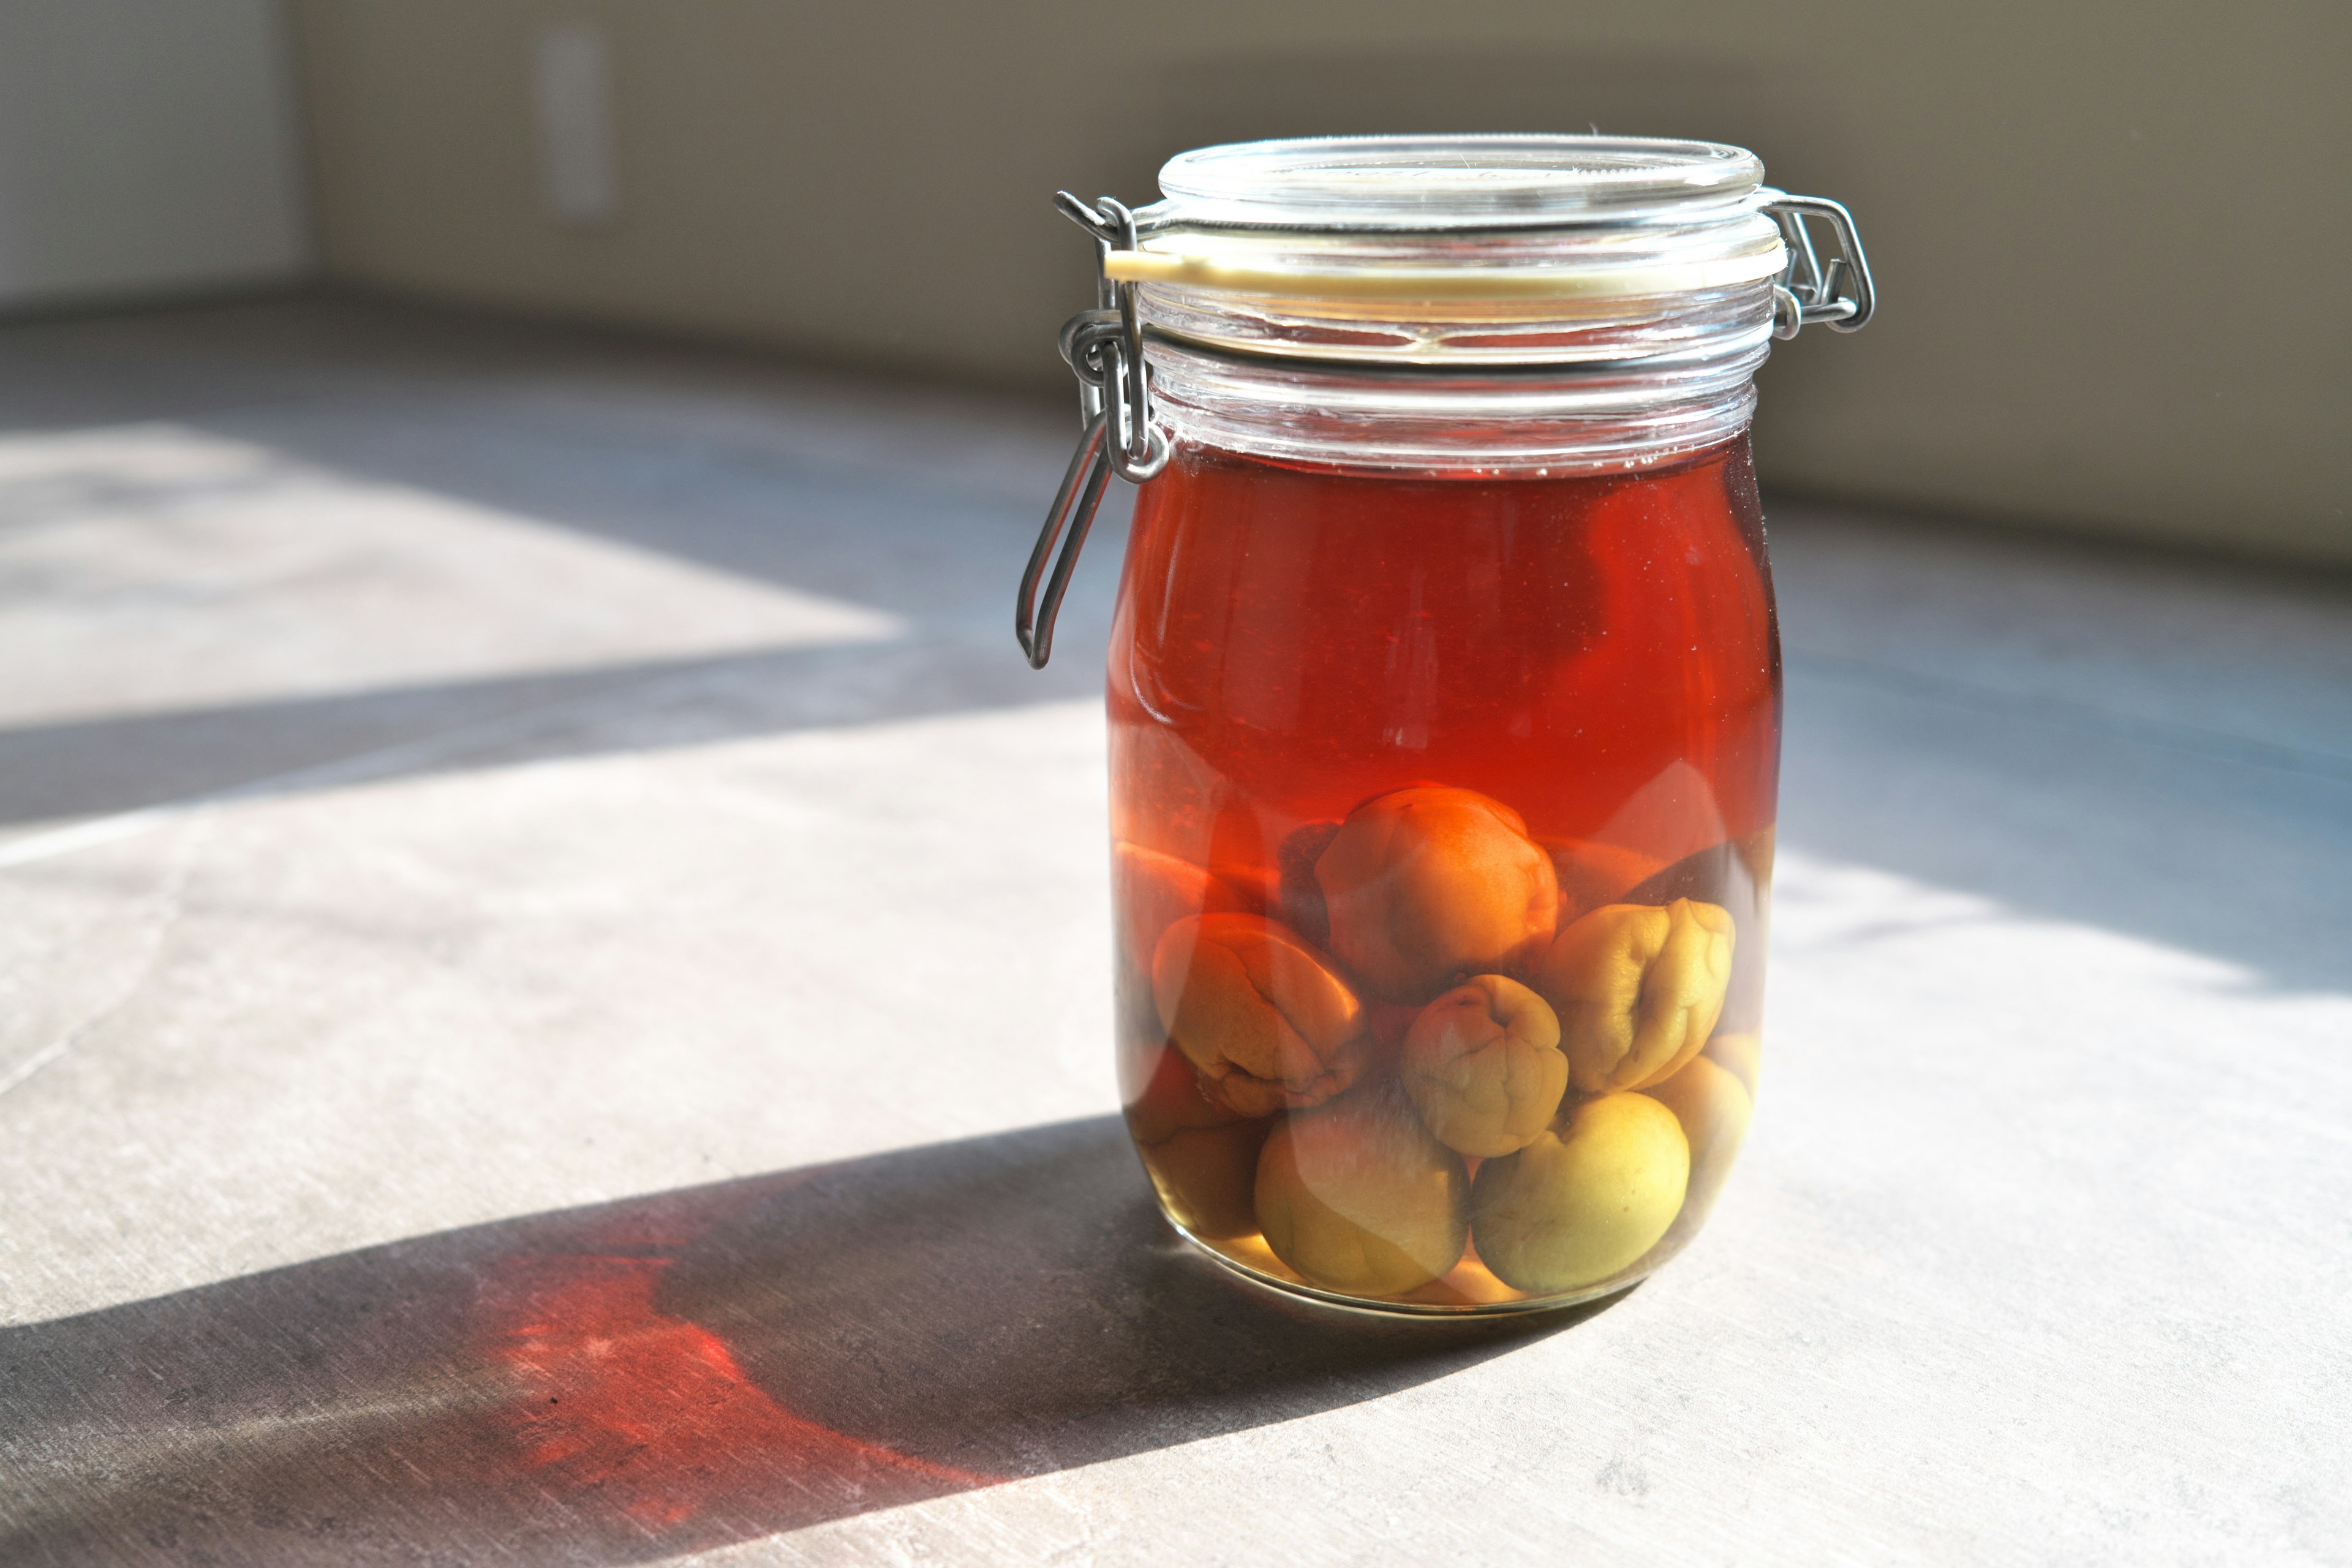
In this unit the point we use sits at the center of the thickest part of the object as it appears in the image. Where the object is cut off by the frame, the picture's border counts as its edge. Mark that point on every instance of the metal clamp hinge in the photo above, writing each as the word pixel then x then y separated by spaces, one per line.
pixel 1838 294
pixel 1104 348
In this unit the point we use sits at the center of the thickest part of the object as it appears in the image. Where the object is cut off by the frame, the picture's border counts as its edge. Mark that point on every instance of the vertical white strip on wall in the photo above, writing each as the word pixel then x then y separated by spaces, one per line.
pixel 146 146
pixel 573 83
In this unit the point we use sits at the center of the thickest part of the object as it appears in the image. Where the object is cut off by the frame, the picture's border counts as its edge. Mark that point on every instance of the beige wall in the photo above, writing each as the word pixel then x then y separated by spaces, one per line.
pixel 147 148
pixel 2111 239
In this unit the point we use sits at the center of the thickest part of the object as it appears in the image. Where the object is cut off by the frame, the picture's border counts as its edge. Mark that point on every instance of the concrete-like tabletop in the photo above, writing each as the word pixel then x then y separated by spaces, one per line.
pixel 554 1008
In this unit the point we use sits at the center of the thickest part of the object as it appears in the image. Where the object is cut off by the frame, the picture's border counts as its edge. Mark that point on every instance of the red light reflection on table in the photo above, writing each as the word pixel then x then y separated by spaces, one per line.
pixel 651 1417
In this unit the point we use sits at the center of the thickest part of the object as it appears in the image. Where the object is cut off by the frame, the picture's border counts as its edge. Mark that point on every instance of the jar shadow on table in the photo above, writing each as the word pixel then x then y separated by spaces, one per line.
pixel 623 1382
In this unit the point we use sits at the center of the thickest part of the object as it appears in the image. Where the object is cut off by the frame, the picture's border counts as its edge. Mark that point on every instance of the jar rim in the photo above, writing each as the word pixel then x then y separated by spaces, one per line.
pixel 1449 184
pixel 1503 303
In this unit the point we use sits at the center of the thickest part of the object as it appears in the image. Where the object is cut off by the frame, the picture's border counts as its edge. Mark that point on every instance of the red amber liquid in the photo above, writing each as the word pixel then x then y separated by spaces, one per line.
pixel 1597 654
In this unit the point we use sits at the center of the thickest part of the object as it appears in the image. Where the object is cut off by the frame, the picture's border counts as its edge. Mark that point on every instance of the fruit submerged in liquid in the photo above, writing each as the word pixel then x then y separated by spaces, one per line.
pixel 1638 990
pixel 1423 886
pixel 1262 1015
pixel 1202 1156
pixel 1483 1065
pixel 1445 808
pixel 1358 1196
pixel 1713 1106
pixel 1579 1205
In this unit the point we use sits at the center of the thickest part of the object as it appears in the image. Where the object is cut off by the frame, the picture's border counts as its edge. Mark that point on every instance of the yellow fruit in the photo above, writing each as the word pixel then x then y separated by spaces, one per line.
pixel 1483 1065
pixel 1712 1105
pixel 1357 1196
pixel 1576 1206
pixel 1260 1013
pixel 1637 989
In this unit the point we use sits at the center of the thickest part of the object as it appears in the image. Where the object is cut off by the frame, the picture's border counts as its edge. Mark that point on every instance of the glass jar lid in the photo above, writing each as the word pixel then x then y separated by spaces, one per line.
pixel 1447 183
pixel 1459 251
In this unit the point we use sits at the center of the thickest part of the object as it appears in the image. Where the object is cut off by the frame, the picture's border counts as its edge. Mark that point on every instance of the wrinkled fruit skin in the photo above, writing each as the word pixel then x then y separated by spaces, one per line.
pixel 1637 989
pixel 1576 1206
pixel 1737 874
pixel 1484 1067
pixel 1358 1196
pixel 1426 886
pixel 1263 1015
pixel 1713 1106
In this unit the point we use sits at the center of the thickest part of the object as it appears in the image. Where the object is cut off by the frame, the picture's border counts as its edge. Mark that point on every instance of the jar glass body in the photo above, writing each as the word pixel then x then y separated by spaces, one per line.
pixel 1442 807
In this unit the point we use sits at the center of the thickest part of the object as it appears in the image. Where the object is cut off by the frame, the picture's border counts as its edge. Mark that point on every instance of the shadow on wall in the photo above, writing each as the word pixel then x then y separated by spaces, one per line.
pixel 621 1383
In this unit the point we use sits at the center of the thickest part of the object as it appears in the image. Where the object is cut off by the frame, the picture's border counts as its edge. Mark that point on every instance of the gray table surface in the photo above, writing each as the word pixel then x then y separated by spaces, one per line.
pixel 555 1011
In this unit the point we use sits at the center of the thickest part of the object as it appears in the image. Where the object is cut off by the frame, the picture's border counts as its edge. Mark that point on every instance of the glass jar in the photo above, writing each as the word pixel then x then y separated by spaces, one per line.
pixel 1444 696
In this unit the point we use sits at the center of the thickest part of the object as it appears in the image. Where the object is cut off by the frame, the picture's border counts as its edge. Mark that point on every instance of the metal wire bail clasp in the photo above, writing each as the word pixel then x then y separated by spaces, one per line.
pixel 1838 294
pixel 1104 348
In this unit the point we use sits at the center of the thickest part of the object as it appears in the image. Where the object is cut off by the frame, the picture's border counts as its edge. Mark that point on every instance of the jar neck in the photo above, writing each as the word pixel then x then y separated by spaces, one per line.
pixel 1490 422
